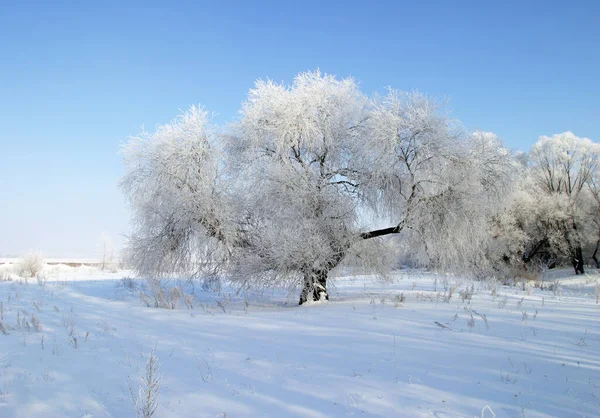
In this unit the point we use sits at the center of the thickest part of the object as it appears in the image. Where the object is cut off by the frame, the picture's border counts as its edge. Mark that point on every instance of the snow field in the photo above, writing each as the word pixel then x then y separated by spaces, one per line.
pixel 403 348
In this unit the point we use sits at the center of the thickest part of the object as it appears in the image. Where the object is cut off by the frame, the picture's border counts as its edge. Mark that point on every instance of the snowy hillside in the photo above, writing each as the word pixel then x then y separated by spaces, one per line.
pixel 77 345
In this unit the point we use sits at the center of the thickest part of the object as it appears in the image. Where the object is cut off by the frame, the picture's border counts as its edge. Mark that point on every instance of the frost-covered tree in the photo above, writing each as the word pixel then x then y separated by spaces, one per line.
pixel 592 204
pixel 30 265
pixel 552 215
pixel 506 238
pixel 562 170
pixel 280 196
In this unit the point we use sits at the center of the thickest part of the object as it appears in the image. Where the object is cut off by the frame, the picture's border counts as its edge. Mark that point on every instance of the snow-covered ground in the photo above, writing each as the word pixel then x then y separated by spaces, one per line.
pixel 376 350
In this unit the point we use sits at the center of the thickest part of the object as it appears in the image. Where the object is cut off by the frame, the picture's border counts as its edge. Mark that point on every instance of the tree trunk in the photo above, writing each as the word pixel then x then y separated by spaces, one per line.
pixel 595 255
pixel 577 260
pixel 314 287
pixel 576 252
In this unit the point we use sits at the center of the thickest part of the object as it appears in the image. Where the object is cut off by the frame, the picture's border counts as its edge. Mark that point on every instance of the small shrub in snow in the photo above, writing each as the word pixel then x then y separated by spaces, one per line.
pixel 529 288
pixel 127 283
pixel 41 279
pixel 422 296
pixel 484 317
pixel 467 294
pixel 581 342
pixel 448 295
pixel 519 303
pixel 30 265
pixel 205 368
pixel 174 296
pixel 155 294
pixel 36 323
pixel 471 321
pixel 555 288
pixel 69 322
pixel 145 401
pixel 188 300
pixel 399 299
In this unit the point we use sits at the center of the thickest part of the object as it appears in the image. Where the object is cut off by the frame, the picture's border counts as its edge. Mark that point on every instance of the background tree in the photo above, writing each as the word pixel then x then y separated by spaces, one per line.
pixel 279 197
pixel 562 169
pixel 591 218
pixel 552 214
pixel 107 251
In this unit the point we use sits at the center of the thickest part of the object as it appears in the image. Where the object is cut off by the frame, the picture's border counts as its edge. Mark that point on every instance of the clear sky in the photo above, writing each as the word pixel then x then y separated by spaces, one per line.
pixel 77 78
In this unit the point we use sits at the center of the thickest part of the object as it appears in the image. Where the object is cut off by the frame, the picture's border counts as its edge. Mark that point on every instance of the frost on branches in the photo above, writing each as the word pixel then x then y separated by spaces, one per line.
pixel 556 204
pixel 282 196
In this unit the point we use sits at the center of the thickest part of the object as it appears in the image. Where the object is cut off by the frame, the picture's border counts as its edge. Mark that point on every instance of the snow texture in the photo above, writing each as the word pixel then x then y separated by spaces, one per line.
pixel 398 349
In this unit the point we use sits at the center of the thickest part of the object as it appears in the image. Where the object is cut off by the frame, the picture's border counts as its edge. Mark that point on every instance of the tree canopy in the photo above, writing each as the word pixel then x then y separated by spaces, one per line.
pixel 288 191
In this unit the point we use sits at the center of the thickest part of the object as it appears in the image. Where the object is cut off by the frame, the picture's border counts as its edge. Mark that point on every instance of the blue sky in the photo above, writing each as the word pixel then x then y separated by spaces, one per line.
pixel 77 78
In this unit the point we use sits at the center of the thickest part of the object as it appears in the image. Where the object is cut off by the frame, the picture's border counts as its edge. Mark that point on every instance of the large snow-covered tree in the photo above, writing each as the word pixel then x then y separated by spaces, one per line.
pixel 280 196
